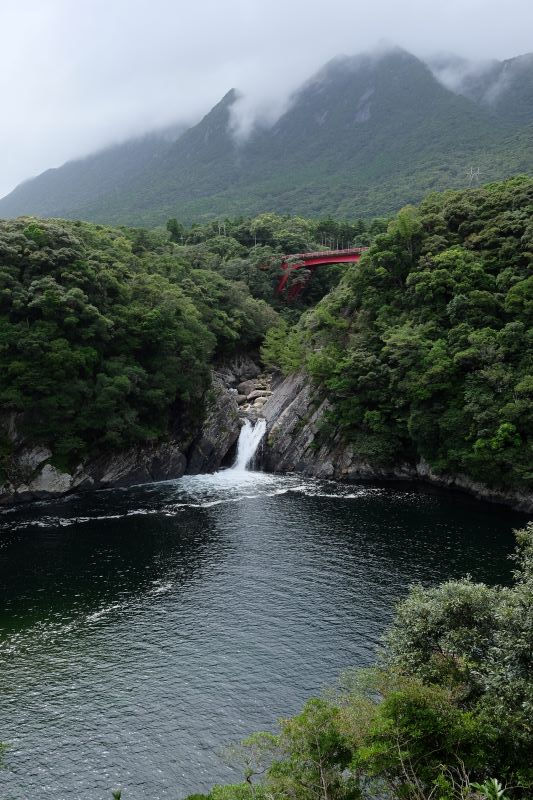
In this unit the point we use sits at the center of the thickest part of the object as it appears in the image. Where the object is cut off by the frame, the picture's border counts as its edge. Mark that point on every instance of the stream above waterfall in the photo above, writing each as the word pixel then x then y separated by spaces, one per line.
pixel 143 629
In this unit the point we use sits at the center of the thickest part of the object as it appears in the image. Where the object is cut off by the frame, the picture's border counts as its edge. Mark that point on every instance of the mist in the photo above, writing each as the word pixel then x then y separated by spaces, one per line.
pixel 76 77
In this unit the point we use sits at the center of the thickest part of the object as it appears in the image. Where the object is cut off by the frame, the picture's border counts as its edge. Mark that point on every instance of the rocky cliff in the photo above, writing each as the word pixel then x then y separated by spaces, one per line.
pixel 294 412
pixel 29 473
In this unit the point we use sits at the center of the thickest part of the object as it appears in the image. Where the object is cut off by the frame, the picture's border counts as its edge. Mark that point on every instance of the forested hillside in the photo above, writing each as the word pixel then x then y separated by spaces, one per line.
pixel 107 335
pixel 92 178
pixel 364 136
pixel 504 87
pixel 425 348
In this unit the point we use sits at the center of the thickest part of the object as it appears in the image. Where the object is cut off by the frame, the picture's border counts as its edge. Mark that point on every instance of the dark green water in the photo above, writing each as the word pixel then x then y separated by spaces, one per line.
pixel 141 630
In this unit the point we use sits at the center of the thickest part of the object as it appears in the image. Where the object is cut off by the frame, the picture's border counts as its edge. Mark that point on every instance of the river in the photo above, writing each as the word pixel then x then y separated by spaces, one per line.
pixel 143 629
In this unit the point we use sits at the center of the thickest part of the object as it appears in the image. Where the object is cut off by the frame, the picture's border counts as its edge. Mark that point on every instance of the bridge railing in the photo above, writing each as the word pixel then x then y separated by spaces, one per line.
pixel 326 253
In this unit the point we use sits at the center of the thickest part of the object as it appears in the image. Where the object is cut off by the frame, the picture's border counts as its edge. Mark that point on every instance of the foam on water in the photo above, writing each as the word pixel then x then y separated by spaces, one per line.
pixel 170 498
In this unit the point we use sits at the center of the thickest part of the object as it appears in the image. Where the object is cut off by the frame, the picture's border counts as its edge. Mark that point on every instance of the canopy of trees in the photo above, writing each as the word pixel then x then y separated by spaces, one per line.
pixel 106 335
pixel 250 249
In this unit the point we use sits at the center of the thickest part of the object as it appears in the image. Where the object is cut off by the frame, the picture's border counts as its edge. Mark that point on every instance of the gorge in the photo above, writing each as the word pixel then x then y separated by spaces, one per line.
pixel 213 496
pixel 288 415
pixel 266 400
pixel 130 356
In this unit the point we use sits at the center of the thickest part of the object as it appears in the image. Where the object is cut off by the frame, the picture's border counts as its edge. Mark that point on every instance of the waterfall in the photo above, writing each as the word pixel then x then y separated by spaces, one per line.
pixel 249 440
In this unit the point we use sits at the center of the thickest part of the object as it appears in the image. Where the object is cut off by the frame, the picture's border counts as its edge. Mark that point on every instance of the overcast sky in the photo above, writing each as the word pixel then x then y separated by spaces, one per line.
pixel 76 75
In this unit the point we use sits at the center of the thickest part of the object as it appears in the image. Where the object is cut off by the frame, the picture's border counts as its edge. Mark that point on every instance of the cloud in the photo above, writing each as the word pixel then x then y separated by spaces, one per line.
pixel 77 76
pixel 454 72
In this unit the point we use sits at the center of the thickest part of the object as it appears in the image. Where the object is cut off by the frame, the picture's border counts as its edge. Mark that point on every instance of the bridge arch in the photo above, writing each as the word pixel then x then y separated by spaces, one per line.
pixel 291 263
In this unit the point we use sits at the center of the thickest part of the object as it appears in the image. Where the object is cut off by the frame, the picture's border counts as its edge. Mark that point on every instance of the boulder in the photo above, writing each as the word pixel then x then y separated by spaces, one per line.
pixel 259 393
pixel 50 481
pixel 246 387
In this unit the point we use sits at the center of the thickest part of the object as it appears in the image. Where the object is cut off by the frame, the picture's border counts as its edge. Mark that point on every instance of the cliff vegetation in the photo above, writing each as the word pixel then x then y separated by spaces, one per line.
pixel 424 349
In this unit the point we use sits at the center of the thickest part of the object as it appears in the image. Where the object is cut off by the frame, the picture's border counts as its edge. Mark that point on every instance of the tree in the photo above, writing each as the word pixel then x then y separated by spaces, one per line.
pixel 176 230
pixel 314 757
pixel 477 641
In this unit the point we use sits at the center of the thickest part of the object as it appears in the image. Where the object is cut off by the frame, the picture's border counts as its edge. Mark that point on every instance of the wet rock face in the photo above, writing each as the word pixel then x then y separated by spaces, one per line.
pixel 293 417
pixel 138 465
pixel 294 413
pixel 30 457
pixel 127 468
pixel 220 430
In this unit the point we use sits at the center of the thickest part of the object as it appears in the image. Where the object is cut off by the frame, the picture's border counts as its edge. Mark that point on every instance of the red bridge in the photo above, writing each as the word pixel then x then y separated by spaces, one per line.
pixel 310 261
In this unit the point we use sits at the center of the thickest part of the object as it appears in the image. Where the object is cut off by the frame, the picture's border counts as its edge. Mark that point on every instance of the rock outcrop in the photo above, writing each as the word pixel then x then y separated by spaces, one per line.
pixel 129 467
pixel 220 430
pixel 294 413
pixel 238 369
pixel 293 410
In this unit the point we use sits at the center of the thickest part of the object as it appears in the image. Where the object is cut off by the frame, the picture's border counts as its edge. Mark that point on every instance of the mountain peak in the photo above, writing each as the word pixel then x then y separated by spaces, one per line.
pixel 503 87
pixel 366 134
pixel 370 59
pixel 220 113
pixel 229 98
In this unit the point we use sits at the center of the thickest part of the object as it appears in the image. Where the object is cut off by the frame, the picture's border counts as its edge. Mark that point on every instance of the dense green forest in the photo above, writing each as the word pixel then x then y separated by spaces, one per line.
pixel 425 347
pixel 446 714
pixel 106 335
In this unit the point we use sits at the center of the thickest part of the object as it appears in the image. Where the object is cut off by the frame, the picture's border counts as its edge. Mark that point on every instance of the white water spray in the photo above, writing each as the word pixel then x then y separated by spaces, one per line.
pixel 249 440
